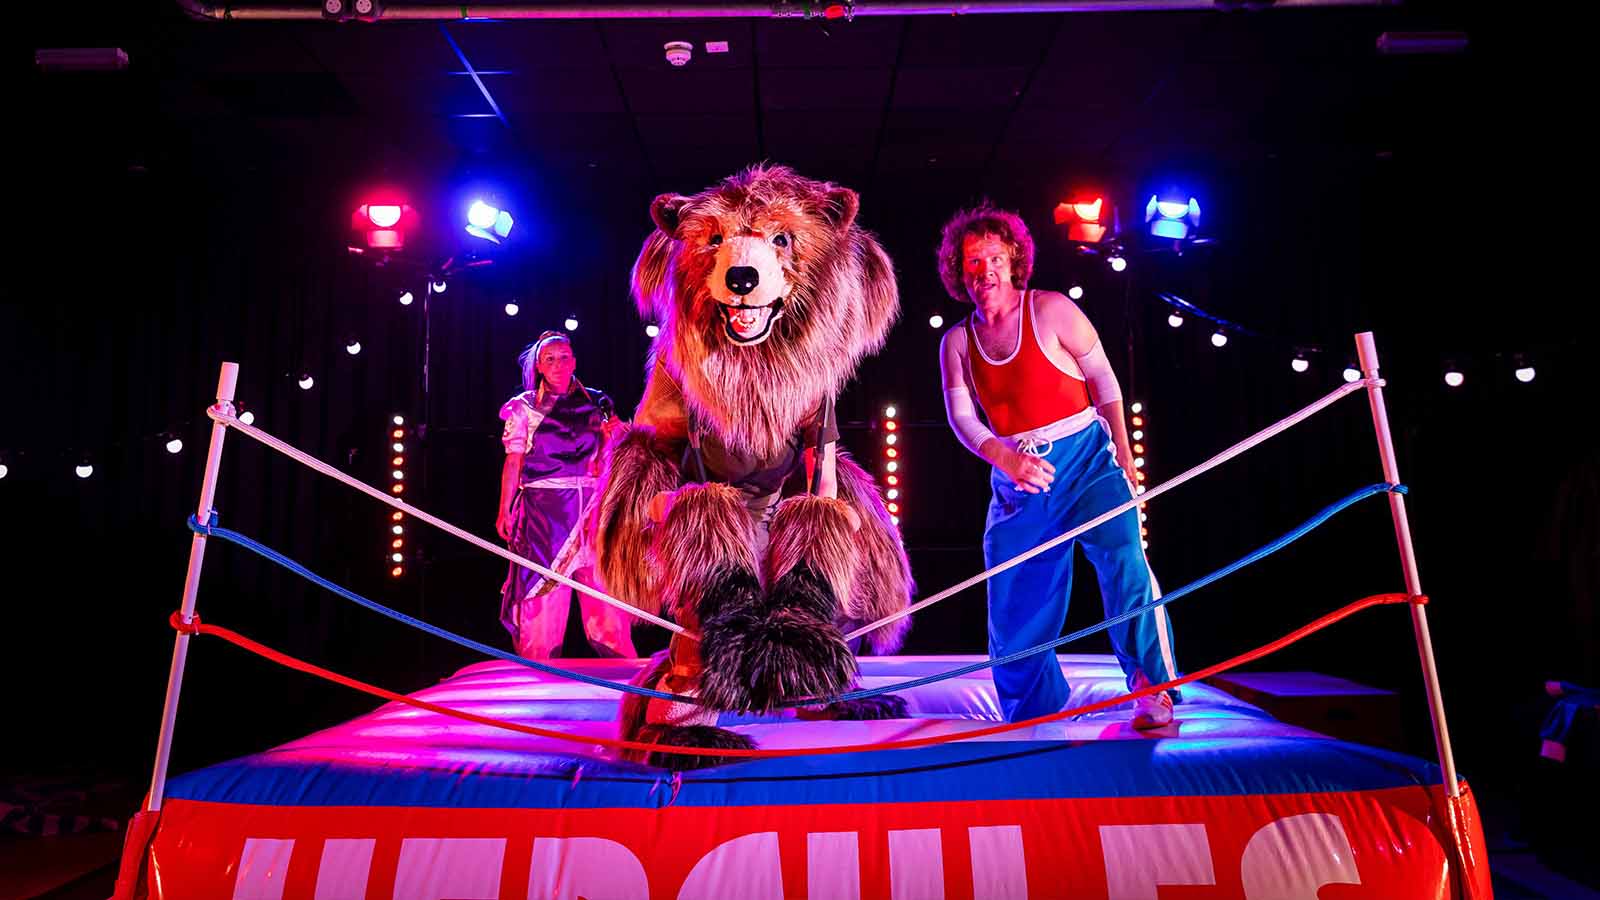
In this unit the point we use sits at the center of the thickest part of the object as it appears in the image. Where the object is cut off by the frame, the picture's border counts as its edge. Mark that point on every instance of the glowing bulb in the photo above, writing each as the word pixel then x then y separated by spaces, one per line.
pixel 571 323
pixel 512 309
pixel 384 216
pixel 84 470
pixel 1136 408
pixel 1117 263
pixel 894 507
pixel 1299 364
pixel 1218 339
pixel 353 348
pixel 247 417
pixel 895 519
pixel 175 446
pixel 398 461
pixel 1144 545
pixel 397 571
pixel 1525 374
pixel 1138 463
pixel 1454 378
pixel 1138 435
pixel 399 447
pixel 306 381
pixel 399 420
pixel 399 475
pixel 398 529
pixel 4 471
pixel 1352 374
pixel 891 439
pixel 406 298
pixel 398 516
pixel 893 466
pixel 440 286
pixel 936 321
pixel 397 543
pixel 1175 320
pixel 1075 292
pixel 890 412
pixel 893 494
pixel 652 330
pixel 893 479
pixel 482 215
pixel 891 453
pixel 397 557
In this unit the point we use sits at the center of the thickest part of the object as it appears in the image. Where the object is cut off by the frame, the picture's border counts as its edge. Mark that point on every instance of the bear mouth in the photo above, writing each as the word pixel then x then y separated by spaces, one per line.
pixel 746 325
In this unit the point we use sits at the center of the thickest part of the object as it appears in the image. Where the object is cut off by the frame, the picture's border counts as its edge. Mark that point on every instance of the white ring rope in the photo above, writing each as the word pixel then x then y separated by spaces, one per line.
pixel 1257 438
pixel 226 417
pixel 223 413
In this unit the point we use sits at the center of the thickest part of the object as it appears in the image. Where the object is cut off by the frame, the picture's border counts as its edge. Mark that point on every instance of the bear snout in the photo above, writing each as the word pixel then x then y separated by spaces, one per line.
pixel 742 279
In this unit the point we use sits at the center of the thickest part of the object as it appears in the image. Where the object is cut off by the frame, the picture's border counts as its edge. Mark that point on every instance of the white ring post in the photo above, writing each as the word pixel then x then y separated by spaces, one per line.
pixel 1368 351
pixel 191 586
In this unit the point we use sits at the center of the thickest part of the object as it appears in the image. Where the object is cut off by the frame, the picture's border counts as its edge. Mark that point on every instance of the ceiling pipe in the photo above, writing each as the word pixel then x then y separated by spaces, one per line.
pixel 774 9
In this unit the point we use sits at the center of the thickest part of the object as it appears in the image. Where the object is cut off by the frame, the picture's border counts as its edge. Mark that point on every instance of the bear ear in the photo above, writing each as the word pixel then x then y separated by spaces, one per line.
pixel 664 210
pixel 841 207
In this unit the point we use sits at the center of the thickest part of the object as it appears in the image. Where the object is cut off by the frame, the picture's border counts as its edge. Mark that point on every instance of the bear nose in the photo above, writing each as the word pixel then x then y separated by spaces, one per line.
pixel 742 279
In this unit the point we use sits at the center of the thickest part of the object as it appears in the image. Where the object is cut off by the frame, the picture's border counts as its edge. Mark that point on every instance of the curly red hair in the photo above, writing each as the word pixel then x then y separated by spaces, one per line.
pixel 981 221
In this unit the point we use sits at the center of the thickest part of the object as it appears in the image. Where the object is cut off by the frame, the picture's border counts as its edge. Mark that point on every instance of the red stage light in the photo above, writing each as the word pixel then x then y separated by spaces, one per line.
pixel 1082 218
pixel 384 221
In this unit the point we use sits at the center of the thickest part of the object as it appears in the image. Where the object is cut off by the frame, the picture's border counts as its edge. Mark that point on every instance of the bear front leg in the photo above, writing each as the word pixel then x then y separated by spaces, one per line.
pixel 788 646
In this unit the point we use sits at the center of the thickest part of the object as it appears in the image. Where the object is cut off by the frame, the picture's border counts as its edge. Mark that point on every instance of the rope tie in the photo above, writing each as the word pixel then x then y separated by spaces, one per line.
pixel 179 625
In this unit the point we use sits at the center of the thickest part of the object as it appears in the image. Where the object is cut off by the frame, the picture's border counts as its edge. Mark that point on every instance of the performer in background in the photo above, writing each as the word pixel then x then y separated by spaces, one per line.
pixel 554 431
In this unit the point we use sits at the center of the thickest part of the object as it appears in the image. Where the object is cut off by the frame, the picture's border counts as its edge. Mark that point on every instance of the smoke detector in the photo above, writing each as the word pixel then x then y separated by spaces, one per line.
pixel 678 52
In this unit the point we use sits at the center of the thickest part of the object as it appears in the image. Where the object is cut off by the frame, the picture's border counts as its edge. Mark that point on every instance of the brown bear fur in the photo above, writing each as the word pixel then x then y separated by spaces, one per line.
pixel 838 302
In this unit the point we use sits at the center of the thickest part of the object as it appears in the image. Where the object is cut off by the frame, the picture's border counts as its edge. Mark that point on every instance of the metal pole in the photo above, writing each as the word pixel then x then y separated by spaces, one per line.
pixel 191 586
pixel 1368 351
pixel 773 9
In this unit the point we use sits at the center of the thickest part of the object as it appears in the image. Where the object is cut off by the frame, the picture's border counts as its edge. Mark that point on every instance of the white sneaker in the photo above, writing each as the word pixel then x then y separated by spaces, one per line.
pixel 1153 711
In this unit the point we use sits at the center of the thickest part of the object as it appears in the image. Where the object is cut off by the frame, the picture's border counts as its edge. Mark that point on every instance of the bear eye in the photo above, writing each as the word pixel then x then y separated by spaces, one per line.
pixel 780 240
pixel 714 240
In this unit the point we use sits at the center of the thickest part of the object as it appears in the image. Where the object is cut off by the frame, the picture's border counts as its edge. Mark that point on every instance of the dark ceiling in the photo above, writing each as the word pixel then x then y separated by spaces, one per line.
pixel 853 101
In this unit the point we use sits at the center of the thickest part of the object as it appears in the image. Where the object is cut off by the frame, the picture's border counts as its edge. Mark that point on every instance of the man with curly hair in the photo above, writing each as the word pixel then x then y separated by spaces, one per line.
pixel 1061 456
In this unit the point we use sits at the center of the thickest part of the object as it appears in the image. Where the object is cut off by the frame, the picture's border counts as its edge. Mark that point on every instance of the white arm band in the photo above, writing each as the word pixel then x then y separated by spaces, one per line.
pixel 1097 372
pixel 963 418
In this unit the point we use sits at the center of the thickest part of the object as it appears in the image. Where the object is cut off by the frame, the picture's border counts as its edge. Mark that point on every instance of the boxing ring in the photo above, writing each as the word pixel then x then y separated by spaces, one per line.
pixel 504 779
